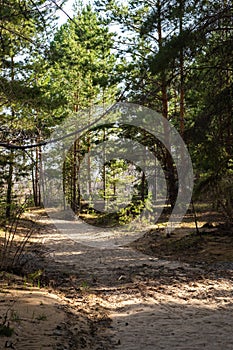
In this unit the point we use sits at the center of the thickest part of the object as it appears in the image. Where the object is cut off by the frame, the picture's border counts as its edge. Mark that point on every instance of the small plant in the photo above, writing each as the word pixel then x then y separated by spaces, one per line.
pixel 41 317
pixel 84 286
pixel 35 277
pixel 15 316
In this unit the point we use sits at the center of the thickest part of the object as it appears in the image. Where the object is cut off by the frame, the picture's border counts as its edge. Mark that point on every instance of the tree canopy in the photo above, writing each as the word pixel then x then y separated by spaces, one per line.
pixel 172 56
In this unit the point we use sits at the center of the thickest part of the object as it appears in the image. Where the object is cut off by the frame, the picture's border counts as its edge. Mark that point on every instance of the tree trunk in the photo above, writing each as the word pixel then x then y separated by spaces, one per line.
pixel 11 158
pixel 37 179
pixel 74 178
pixel 41 180
pixel 168 161
pixel 9 185
pixel 181 72
pixel 33 179
pixel 143 180
pixel 89 158
pixel 104 171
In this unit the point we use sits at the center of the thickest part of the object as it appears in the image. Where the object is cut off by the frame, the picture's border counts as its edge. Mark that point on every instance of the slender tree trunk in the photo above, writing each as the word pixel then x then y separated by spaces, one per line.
pixel 33 179
pixel 143 181
pixel 229 136
pixel 75 187
pixel 41 182
pixel 104 156
pixel 11 158
pixel 9 185
pixel 163 74
pixel 89 171
pixel 104 170
pixel 37 180
pixel 74 178
pixel 168 160
pixel 78 177
pixel 89 159
pixel 64 179
pixel 154 189
pixel 182 94
pixel 182 89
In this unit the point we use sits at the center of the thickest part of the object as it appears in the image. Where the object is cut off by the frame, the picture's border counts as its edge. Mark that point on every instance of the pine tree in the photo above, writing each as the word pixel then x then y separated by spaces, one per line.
pixel 22 24
pixel 80 75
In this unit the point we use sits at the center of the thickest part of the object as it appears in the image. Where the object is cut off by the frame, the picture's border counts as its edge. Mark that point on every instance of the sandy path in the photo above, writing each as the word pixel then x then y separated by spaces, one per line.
pixel 35 317
pixel 153 304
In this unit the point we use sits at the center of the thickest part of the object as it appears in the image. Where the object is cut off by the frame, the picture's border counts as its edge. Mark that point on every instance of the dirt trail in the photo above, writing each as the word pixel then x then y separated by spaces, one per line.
pixel 153 303
pixel 34 316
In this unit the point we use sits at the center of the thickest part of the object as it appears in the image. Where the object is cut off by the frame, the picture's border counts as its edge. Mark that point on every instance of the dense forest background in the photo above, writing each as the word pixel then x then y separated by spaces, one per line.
pixel 175 57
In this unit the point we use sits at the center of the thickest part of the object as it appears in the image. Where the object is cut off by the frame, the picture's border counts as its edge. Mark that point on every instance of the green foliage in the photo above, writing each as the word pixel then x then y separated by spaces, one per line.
pixel 80 63
pixel 172 56
pixel 35 278
pixel 23 26
pixel 184 46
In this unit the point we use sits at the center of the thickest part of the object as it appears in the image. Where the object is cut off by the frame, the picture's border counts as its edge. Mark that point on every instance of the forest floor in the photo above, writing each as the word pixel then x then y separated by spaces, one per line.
pixel 159 292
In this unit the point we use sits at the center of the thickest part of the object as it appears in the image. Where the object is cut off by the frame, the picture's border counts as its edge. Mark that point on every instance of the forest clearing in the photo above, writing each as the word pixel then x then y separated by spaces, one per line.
pixel 116 177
